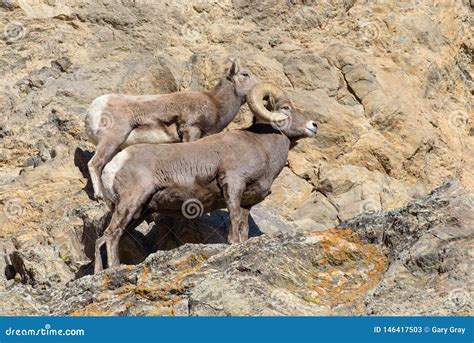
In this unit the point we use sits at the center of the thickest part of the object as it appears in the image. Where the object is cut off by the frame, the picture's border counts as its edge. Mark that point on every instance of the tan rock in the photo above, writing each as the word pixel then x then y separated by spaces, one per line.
pixel 389 83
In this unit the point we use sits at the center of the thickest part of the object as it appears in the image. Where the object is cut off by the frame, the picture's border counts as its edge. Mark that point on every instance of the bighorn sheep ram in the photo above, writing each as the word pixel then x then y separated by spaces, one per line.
pixel 114 121
pixel 233 170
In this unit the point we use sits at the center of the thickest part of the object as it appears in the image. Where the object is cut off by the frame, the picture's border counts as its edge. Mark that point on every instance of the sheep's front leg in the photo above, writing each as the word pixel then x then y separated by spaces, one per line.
pixel 244 224
pixel 98 264
pixel 233 195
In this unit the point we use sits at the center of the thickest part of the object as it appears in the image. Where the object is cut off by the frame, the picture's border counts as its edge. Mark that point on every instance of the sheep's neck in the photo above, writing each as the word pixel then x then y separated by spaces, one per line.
pixel 228 104
pixel 274 143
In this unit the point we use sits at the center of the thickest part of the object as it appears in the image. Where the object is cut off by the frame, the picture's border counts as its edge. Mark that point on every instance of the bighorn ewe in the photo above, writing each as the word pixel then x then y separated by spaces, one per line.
pixel 232 169
pixel 115 121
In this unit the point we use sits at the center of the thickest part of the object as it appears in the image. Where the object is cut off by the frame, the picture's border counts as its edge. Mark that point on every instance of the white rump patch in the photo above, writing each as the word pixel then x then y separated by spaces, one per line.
pixel 110 170
pixel 93 114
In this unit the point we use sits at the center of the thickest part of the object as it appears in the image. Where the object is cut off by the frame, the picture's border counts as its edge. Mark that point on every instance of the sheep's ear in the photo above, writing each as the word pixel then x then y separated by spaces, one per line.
pixel 235 67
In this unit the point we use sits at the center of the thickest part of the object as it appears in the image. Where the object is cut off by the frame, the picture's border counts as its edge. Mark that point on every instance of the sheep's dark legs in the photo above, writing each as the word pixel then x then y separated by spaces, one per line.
pixel 239 225
pixel 112 236
pixel 122 218
pixel 233 195
pixel 98 265
pixel 244 224
pixel 101 240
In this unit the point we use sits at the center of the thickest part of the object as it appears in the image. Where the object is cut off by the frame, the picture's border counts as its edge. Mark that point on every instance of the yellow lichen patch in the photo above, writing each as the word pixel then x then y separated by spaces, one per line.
pixel 126 289
pixel 194 260
pixel 140 288
pixel 313 299
pixel 92 310
pixel 164 294
pixel 349 268
pixel 340 246
pixel 105 281
pixel 189 261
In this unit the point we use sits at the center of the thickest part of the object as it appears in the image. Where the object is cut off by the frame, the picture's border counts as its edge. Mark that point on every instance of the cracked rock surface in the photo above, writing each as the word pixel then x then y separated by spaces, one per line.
pixel 390 84
pixel 413 260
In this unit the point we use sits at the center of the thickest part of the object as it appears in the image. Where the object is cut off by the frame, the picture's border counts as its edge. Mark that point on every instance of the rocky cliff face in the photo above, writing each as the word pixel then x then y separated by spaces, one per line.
pixel 415 260
pixel 390 84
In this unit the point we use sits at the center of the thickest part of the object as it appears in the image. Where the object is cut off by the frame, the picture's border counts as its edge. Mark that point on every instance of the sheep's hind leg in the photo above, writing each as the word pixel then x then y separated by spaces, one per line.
pixel 121 220
pixel 95 175
pixel 106 149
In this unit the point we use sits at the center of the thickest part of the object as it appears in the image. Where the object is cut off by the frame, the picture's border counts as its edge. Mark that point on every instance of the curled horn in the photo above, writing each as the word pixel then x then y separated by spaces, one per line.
pixel 255 101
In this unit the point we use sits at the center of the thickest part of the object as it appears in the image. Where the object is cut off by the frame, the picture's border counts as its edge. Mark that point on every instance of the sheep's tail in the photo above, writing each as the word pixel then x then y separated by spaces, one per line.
pixel 110 198
pixel 109 174
pixel 93 117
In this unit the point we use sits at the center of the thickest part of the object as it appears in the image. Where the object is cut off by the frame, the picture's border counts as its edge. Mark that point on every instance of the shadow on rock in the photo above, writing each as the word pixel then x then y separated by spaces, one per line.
pixel 81 158
pixel 159 232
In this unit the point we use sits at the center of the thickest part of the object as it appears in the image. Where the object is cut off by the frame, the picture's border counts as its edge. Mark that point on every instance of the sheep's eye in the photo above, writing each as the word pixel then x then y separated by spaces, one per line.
pixel 286 108
pixel 244 74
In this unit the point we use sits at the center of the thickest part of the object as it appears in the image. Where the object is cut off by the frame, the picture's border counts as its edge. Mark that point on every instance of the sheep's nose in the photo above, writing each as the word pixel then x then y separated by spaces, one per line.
pixel 314 124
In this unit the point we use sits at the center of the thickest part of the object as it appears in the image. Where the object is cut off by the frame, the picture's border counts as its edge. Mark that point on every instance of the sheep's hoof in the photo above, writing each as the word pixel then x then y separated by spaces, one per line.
pixel 98 267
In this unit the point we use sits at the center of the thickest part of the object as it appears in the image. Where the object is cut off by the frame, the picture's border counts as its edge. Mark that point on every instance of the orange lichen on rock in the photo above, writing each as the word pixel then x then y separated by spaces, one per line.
pixel 165 293
pixel 93 309
pixel 105 281
pixel 352 268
